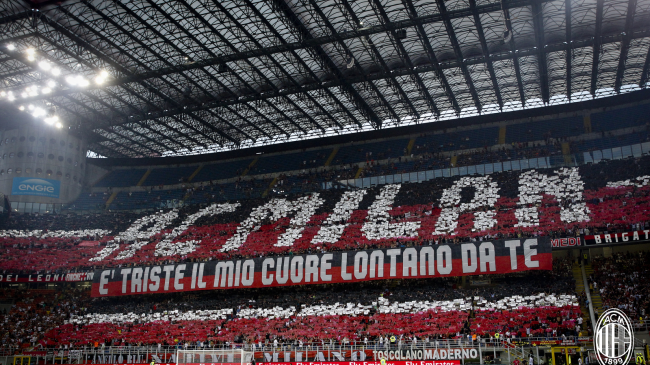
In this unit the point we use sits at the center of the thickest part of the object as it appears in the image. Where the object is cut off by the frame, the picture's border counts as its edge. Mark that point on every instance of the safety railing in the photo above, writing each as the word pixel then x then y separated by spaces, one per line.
pixel 137 354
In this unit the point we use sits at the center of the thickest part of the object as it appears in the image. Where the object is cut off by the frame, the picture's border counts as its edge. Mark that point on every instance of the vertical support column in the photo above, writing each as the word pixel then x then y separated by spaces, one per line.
pixel 552 355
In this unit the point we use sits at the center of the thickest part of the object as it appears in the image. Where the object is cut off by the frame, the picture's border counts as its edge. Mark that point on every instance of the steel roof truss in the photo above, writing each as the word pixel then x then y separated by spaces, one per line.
pixel 625 44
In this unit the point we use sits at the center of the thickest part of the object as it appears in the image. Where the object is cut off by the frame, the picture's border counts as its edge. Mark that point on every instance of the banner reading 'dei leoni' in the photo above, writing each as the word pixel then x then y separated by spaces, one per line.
pixel 471 258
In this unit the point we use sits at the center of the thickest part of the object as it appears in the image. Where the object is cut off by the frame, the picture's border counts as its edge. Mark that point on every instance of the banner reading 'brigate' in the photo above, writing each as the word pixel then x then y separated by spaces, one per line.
pixel 471 258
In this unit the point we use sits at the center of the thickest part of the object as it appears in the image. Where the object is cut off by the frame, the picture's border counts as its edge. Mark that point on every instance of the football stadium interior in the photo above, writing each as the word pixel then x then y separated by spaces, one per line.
pixel 340 182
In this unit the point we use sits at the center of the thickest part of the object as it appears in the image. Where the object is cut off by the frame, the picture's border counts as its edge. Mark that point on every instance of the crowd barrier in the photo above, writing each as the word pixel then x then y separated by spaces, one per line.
pixel 481 350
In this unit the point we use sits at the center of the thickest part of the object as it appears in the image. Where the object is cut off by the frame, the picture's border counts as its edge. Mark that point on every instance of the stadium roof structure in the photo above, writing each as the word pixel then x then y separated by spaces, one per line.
pixel 145 78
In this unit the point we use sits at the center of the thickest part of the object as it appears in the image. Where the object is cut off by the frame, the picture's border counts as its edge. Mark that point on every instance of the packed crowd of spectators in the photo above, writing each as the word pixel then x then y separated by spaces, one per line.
pixel 36 312
pixel 623 281
pixel 614 201
pixel 112 221
pixel 430 309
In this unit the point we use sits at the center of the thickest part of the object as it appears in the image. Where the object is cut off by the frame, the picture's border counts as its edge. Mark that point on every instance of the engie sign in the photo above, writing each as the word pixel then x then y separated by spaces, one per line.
pixel 34 186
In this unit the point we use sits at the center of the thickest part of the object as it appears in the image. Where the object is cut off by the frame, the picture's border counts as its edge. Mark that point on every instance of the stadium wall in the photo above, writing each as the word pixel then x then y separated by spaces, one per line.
pixel 41 165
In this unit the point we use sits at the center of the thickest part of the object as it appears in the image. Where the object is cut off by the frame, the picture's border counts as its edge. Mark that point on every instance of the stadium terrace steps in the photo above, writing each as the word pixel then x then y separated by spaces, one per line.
pixel 459 140
pixel 586 120
pixel 169 175
pixel 271 185
pixel 196 172
pixel 620 118
pixel 596 300
pixel 331 156
pixel 409 148
pixel 372 151
pixel 111 198
pixel 359 171
pixel 555 128
pixel 580 287
pixel 144 177
pixel 502 134
pixel 250 166
pixel 89 201
pixel 290 161
pixel 221 170
pixel 515 353
pixel 566 152
pixel 121 178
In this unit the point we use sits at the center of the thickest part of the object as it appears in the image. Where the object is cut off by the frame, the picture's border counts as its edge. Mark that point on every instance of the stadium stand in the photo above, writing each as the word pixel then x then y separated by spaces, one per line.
pixel 459 140
pixel 147 199
pixel 528 305
pixel 559 128
pixel 169 176
pixel 290 161
pixel 222 170
pixel 52 243
pixel 621 281
pixel 621 118
pixel 611 200
pixel 89 200
pixel 423 308
pixel 362 152
pixel 449 184
pixel 476 146
pixel 121 178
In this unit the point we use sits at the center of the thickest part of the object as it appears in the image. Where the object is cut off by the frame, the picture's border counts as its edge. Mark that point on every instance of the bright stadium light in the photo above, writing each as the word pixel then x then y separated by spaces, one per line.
pixel 51 84
pixel 30 107
pixel 56 71
pixel 11 46
pixel 59 125
pixel 21 108
pixel 46 90
pixel 83 82
pixel 30 54
pixel 71 80
pixel 44 65
pixel 10 96
pixel 38 112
